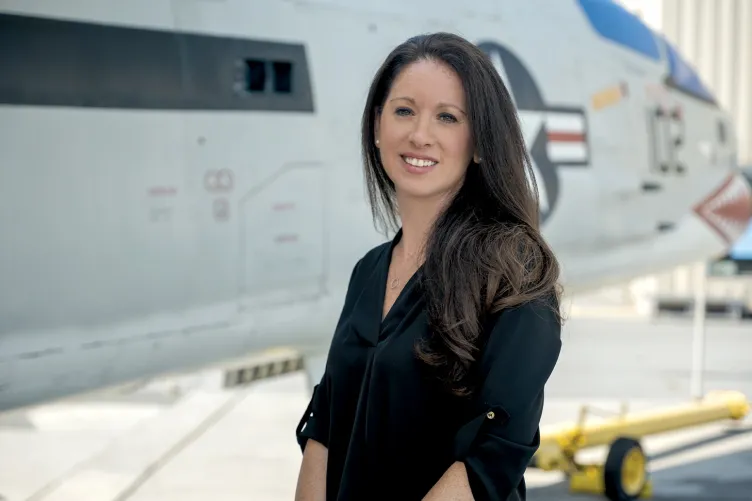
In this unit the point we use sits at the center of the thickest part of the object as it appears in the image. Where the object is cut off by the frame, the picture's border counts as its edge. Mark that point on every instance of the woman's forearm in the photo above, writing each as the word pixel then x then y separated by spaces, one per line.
pixel 452 486
pixel 312 477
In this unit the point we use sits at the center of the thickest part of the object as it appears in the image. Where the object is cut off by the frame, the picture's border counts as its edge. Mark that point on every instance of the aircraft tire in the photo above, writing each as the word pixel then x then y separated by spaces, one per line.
pixel 625 472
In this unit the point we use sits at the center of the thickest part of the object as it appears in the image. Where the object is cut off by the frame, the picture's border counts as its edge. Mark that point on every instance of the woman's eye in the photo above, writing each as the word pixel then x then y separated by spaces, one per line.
pixel 444 117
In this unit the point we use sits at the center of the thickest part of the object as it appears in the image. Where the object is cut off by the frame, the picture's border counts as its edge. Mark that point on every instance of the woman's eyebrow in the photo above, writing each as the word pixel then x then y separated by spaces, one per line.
pixel 444 105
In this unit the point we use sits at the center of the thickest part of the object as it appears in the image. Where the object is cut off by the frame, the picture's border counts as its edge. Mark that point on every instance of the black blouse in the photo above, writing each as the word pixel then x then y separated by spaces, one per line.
pixel 390 428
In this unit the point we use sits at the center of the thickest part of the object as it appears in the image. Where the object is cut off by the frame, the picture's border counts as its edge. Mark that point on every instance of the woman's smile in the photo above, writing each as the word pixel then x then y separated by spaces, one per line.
pixel 417 164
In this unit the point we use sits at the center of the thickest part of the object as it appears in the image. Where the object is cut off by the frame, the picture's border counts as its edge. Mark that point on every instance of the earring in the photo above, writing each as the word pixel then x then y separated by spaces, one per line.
pixel 377 142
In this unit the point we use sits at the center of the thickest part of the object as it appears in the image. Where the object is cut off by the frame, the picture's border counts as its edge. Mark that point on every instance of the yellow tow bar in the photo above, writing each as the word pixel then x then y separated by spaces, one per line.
pixel 624 476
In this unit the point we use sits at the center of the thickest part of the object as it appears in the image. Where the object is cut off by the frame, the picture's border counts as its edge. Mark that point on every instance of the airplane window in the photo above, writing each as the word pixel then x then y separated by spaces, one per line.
pixel 619 25
pixel 683 76
pixel 256 75
pixel 282 77
pixel 721 132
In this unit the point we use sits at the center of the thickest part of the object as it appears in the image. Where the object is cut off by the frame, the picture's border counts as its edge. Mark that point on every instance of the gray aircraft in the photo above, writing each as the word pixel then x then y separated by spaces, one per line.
pixel 181 180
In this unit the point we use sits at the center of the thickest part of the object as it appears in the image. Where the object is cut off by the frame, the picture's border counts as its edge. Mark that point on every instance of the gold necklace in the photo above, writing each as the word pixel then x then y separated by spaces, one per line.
pixel 396 281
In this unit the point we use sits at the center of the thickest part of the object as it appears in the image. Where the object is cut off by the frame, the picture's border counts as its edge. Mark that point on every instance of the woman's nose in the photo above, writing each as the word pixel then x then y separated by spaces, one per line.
pixel 421 134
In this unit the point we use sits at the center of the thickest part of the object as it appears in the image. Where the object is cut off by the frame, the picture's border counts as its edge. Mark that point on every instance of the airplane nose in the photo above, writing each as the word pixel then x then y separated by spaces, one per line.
pixel 728 208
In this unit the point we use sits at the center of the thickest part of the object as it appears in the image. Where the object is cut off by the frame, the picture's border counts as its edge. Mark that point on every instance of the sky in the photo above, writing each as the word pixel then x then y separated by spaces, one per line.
pixel 743 247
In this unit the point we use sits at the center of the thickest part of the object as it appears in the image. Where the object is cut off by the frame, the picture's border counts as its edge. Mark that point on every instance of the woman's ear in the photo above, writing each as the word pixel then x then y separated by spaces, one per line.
pixel 376 121
pixel 476 158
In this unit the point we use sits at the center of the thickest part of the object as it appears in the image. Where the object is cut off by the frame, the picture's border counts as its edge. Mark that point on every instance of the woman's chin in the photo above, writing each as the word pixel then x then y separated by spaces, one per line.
pixel 420 190
pixel 430 185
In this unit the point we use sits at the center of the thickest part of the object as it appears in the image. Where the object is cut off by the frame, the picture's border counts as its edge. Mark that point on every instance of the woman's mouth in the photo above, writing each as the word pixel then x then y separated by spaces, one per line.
pixel 417 165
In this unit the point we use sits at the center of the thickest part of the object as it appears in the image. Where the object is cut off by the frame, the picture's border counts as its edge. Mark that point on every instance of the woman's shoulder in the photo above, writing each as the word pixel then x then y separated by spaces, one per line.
pixel 371 259
pixel 361 273
pixel 374 255
pixel 536 322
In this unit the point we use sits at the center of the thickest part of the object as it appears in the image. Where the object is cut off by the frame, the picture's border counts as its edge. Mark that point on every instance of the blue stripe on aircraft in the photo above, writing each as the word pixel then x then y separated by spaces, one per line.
pixel 615 23
pixel 684 76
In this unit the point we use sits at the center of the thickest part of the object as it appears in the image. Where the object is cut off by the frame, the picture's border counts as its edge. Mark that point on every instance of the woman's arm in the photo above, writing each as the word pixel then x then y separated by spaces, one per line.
pixel 494 447
pixel 313 430
pixel 312 477
pixel 453 485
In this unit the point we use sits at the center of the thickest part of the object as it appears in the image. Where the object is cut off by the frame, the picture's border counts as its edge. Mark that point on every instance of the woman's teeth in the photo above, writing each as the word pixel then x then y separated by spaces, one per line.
pixel 418 162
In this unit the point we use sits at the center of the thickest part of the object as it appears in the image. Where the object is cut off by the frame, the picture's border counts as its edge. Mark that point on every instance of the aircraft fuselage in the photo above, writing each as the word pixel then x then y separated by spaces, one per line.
pixel 182 183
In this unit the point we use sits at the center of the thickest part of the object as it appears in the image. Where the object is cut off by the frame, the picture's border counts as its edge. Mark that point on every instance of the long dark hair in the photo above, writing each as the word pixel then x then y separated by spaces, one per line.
pixel 485 252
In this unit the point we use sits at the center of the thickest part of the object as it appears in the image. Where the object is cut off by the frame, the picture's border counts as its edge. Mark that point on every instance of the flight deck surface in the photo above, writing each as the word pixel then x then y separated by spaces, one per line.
pixel 188 439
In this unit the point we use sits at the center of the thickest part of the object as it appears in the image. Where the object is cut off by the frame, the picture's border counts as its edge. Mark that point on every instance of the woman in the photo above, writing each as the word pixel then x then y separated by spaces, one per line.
pixel 434 380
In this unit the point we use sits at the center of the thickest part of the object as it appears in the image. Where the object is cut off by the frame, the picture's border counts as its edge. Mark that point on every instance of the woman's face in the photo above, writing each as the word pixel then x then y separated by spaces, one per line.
pixel 423 133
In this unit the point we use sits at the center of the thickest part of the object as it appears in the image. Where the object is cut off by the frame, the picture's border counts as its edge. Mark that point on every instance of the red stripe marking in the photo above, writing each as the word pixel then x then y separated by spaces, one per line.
pixel 568 137
pixel 281 239
pixel 283 206
pixel 162 191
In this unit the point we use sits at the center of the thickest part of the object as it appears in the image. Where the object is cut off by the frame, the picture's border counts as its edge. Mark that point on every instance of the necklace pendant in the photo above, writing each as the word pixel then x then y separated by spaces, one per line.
pixel 394 283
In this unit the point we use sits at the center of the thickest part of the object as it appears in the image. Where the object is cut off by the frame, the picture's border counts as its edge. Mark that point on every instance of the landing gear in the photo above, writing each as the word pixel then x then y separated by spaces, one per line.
pixel 625 473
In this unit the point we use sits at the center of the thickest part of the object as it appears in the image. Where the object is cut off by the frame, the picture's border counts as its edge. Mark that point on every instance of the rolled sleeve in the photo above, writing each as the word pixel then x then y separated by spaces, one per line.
pixel 315 421
pixel 501 436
